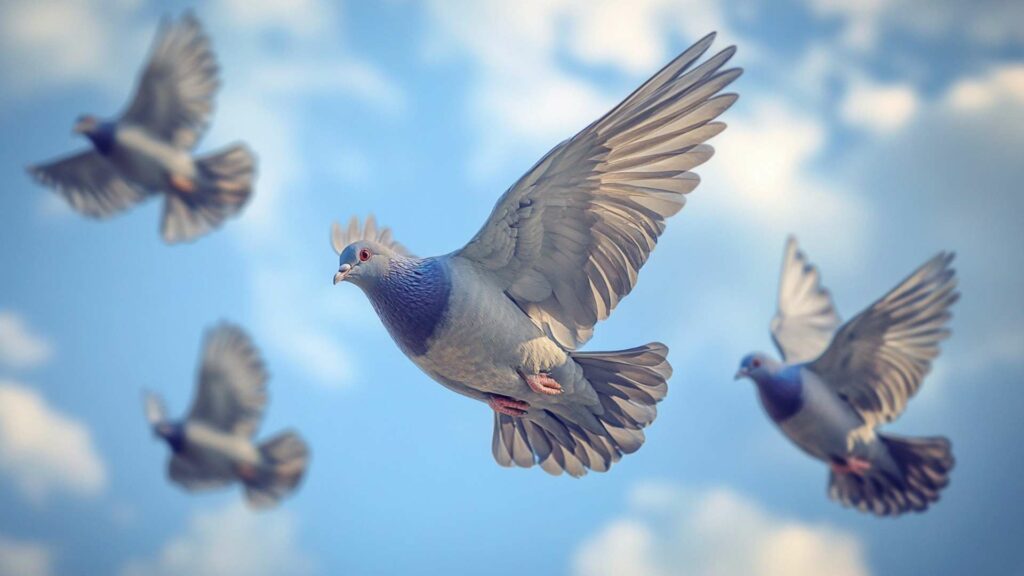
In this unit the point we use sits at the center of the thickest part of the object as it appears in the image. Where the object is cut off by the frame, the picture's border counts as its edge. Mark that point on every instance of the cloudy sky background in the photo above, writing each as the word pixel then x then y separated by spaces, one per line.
pixel 878 132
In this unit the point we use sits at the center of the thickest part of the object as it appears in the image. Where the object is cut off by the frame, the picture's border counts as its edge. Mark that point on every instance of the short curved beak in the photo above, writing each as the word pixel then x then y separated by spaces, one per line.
pixel 81 127
pixel 342 272
pixel 741 373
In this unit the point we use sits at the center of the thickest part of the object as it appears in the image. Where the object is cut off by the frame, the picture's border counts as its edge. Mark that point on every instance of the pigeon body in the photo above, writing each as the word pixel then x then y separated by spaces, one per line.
pixel 213 445
pixel 838 384
pixel 148 149
pixel 501 319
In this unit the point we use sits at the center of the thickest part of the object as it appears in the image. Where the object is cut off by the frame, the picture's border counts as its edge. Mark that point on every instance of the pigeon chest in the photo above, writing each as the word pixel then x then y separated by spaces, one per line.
pixel 411 301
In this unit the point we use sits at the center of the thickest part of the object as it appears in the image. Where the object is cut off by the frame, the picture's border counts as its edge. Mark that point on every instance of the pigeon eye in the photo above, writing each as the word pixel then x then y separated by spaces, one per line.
pixel 364 255
pixel 756 363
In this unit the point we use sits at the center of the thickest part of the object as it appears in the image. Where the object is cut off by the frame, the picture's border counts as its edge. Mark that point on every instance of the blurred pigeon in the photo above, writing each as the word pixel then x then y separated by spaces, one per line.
pixel 834 387
pixel 147 149
pixel 213 445
pixel 500 320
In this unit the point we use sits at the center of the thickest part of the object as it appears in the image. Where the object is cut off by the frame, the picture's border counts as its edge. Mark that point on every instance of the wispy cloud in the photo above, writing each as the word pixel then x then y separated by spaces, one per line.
pixel 670 531
pixel 44 451
pixel 20 346
pixel 228 542
pixel 23 558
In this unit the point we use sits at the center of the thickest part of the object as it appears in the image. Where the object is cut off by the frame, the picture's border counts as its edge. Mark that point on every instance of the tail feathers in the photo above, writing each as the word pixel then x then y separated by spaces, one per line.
pixel 285 458
pixel 223 186
pixel 628 384
pixel 924 465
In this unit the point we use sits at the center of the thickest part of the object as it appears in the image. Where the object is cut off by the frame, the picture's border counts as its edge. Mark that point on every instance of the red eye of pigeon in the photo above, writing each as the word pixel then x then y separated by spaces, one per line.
pixel 364 255
pixel 756 363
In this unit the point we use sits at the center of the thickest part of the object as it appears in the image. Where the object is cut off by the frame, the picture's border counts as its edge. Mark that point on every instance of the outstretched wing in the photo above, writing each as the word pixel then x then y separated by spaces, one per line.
pixel 567 240
pixel 89 184
pixel 806 318
pixel 174 96
pixel 877 360
pixel 232 383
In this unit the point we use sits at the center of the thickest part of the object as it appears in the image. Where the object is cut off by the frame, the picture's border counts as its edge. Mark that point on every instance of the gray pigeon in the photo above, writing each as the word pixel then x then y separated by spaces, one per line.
pixel 501 319
pixel 836 385
pixel 147 150
pixel 213 445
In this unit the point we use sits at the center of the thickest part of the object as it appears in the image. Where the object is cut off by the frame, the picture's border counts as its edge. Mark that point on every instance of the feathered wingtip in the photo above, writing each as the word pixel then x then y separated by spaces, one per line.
pixel 342 237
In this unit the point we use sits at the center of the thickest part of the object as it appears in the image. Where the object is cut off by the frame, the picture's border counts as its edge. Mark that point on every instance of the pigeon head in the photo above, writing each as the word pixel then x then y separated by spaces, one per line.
pixel 86 124
pixel 365 254
pixel 101 133
pixel 758 367
pixel 173 433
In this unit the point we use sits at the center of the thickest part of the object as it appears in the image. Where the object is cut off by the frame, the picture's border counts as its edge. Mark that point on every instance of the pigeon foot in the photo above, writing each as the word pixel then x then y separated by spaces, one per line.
pixel 851 465
pixel 542 383
pixel 246 471
pixel 507 406
pixel 182 183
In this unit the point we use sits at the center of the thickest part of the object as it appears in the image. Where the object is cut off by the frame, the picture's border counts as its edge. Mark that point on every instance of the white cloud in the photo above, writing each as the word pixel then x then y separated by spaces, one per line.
pixel 228 542
pixel 44 451
pixel 877 107
pixel 1000 85
pixel 21 558
pixel 672 532
pixel 20 346
pixel 765 163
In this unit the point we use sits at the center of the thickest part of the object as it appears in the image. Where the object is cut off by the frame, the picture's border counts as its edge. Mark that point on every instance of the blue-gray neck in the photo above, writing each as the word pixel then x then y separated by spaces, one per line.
pixel 781 393
pixel 411 300
pixel 103 137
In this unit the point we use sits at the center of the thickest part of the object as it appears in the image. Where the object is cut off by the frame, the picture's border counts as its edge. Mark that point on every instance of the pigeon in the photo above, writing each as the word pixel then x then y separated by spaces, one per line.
pixel 213 445
pixel 147 150
pixel 500 320
pixel 836 384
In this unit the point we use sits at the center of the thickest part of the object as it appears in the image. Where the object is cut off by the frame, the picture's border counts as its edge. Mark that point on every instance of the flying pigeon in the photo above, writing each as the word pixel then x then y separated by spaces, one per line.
pixel 147 150
pixel 213 445
pixel 501 319
pixel 836 385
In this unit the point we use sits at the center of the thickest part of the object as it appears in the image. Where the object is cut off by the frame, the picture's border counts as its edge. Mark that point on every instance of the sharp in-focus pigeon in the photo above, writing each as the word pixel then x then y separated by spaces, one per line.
pixel 836 385
pixel 147 150
pixel 500 320
pixel 213 445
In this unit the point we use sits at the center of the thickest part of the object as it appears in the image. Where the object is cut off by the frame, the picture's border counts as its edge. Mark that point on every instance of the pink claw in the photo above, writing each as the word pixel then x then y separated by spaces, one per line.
pixel 543 383
pixel 852 465
pixel 508 406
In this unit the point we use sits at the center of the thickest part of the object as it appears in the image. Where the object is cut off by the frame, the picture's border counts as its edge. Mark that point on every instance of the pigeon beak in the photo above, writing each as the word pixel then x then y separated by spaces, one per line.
pixel 740 374
pixel 343 271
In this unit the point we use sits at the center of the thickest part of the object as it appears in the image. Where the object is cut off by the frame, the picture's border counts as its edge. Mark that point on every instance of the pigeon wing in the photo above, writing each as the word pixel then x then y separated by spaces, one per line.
pixel 232 383
pixel 174 95
pixel 878 360
pixel 89 184
pixel 806 318
pixel 567 240
pixel 193 477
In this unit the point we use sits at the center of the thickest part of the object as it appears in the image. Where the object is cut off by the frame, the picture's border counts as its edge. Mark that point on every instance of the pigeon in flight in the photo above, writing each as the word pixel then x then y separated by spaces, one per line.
pixel 147 150
pixel 213 445
pixel 836 385
pixel 501 319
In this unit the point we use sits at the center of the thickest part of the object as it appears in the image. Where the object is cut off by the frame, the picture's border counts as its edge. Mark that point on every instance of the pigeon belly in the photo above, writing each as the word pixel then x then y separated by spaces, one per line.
pixel 148 161
pixel 823 424
pixel 485 340
pixel 217 451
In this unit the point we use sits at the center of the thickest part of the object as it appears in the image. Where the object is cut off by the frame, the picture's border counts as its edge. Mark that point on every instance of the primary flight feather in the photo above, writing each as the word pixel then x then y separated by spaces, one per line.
pixel 501 319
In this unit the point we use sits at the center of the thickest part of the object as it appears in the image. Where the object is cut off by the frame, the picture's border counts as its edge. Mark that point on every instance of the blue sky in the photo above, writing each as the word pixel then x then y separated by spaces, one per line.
pixel 879 133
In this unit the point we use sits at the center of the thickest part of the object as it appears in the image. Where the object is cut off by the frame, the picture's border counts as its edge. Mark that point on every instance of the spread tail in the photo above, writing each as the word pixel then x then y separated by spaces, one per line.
pixel 223 185
pixel 628 383
pixel 285 458
pixel 923 471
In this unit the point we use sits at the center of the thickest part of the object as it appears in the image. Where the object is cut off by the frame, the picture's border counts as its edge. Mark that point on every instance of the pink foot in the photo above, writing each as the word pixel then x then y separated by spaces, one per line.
pixel 852 465
pixel 507 406
pixel 542 383
pixel 182 184
pixel 246 471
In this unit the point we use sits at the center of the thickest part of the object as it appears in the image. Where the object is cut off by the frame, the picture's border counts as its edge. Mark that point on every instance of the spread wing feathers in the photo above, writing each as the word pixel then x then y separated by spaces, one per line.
pixel 89 184
pixel 342 237
pixel 193 476
pixel 877 360
pixel 156 412
pixel 629 383
pixel 232 383
pixel 174 96
pixel 568 239
pixel 806 318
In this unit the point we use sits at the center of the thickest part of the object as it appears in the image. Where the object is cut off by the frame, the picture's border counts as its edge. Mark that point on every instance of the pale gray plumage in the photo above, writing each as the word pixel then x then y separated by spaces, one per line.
pixel 148 149
pixel 213 445
pixel 837 386
pixel 562 247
